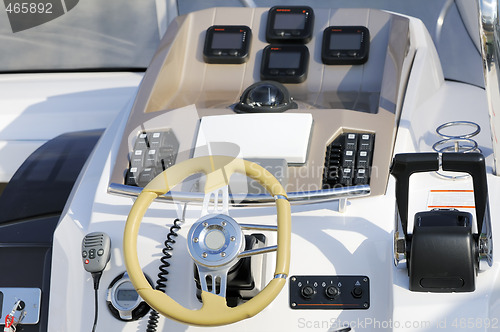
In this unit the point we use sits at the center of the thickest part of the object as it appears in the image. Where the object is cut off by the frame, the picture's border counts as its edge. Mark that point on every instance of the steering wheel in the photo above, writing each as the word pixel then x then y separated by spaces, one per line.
pixel 215 241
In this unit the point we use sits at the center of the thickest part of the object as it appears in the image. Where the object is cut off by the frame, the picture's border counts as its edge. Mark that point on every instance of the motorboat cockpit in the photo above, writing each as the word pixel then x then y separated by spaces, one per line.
pixel 281 168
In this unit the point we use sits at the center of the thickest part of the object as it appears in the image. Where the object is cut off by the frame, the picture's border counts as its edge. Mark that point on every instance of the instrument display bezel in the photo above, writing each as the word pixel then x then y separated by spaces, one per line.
pixel 345 54
pixel 280 23
pixel 216 52
pixel 274 66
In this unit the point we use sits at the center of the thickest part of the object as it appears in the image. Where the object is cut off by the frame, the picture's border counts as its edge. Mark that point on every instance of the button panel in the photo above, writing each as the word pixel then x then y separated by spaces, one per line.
pixel 329 292
pixel 154 152
pixel 348 160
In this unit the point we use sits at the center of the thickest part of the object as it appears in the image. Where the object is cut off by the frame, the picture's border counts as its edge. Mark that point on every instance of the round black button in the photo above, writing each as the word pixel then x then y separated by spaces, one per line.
pixel 307 292
pixel 84 254
pixel 331 292
pixel 357 292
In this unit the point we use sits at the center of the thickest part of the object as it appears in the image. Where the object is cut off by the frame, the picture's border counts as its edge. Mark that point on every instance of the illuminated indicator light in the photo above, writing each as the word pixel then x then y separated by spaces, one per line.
pixel 275 48
pixel 220 29
pixel 283 10
pixel 87 261
pixel 336 29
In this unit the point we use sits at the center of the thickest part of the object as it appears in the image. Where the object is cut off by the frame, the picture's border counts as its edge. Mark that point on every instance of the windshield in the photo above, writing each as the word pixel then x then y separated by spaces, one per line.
pixel 124 34
pixel 86 35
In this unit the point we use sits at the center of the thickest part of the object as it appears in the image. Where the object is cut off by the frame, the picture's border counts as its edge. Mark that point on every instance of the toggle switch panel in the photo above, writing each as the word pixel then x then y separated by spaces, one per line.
pixel 329 292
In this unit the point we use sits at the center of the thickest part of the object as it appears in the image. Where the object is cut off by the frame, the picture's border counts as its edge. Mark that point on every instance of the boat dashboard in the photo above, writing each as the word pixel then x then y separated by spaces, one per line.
pixel 319 111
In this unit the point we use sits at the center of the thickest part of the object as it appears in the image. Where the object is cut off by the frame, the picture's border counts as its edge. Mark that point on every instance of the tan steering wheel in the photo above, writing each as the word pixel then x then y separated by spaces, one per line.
pixel 214 312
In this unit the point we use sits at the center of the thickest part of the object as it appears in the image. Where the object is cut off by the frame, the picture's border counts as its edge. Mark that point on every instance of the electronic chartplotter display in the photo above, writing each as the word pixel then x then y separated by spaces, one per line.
pixel 285 63
pixel 290 24
pixel 227 44
pixel 345 45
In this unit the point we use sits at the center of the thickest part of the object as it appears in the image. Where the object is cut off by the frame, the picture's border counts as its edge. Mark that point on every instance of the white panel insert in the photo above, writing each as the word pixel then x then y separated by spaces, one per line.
pixel 272 135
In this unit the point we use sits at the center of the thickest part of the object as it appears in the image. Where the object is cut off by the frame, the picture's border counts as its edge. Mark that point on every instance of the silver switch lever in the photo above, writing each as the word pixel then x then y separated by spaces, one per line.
pixel 15 317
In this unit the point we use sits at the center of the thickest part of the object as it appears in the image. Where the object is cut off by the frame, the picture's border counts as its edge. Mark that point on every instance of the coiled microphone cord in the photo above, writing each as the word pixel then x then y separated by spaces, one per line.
pixel 162 275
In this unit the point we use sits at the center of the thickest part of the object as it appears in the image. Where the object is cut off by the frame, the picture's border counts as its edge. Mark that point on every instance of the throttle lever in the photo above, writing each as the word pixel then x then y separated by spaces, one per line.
pixel 473 164
pixel 403 166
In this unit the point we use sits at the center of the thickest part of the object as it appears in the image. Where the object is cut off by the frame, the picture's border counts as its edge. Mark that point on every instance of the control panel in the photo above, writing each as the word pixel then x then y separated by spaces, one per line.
pixel 286 60
pixel 329 292
pixel 348 160
pixel 341 98
pixel 154 152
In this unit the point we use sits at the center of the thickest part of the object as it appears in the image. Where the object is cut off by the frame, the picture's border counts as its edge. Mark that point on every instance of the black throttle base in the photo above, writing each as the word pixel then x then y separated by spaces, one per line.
pixel 442 252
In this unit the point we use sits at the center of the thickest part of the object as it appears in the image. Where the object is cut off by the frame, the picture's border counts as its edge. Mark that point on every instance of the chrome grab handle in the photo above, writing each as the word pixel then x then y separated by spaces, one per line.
pixel 306 197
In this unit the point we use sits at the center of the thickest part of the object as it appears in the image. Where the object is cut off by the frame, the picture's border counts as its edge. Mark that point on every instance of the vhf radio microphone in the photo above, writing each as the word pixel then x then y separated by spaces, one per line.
pixel 96 252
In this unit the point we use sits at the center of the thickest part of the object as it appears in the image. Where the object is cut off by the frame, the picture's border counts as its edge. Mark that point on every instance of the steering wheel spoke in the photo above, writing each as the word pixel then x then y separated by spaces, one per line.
pixel 216 201
pixel 213 281
pixel 255 227
pixel 257 251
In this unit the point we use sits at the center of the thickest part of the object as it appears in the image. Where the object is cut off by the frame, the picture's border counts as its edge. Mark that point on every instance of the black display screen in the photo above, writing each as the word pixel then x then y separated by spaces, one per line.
pixel 289 21
pixel 345 41
pixel 285 63
pixel 292 24
pixel 279 60
pixel 127 295
pixel 225 40
pixel 227 44
pixel 345 45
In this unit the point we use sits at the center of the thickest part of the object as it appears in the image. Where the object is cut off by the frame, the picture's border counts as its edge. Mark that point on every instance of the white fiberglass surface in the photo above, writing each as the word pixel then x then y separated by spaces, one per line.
pixel 36 108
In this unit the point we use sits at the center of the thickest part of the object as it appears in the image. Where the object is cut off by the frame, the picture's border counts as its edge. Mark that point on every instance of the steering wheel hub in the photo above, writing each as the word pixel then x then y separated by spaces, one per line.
pixel 215 240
